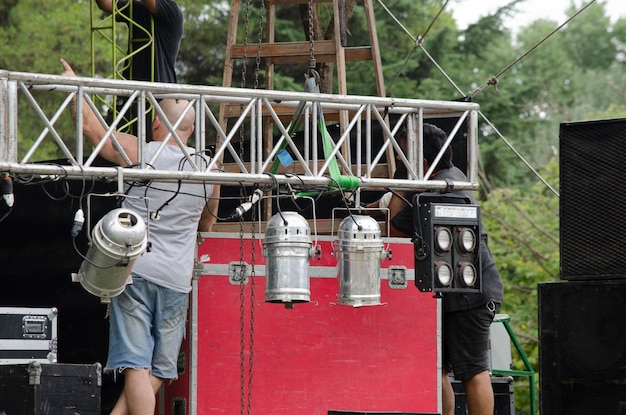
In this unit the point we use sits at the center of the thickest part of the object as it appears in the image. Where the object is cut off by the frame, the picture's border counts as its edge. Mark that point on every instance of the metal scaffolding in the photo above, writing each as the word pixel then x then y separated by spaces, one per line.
pixel 257 107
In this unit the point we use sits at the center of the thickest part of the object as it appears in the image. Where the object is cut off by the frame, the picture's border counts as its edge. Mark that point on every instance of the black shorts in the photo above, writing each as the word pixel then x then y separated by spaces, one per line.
pixel 466 340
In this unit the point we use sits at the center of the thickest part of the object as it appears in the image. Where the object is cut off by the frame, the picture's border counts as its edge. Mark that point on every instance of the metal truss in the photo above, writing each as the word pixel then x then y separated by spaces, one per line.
pixel 258 110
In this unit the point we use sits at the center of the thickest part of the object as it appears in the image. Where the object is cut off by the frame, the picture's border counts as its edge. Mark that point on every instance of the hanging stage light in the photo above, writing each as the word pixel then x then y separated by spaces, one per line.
pixel 116 241
pixel 359 250
pixel 288 249
pixel 447 243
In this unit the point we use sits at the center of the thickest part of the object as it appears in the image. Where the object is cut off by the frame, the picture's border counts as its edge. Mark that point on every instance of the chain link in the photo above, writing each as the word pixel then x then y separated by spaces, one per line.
pixel 258 51
pixel 253 230
pixel 242 264
pixel 312 63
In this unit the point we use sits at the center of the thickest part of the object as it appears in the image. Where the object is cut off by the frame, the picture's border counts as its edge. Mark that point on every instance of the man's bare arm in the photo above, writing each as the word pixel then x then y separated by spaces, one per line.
pixel 94 131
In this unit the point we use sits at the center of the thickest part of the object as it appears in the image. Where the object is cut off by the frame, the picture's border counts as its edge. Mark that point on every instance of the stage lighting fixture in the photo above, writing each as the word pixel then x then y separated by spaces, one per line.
pixel 447 243
pixel 288 249
pixel 116 241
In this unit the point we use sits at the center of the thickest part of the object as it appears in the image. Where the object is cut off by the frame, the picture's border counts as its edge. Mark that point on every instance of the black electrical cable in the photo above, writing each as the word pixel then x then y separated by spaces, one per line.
pixel 275 186
pixel 6 214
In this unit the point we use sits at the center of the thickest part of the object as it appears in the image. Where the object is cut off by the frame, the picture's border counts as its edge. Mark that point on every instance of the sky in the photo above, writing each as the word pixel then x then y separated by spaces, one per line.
pixel 468 11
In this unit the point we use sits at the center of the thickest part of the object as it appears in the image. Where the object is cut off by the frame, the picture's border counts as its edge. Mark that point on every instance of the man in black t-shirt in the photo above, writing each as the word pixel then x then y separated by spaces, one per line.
pixel 167 33
pixel 467 317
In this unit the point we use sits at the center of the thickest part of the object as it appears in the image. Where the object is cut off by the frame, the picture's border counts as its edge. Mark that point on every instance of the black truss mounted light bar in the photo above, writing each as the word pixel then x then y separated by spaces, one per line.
pixel 446 240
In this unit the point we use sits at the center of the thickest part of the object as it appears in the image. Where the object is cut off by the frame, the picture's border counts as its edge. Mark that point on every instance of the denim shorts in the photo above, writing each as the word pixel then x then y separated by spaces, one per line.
pixel 466 340
pixel 147 326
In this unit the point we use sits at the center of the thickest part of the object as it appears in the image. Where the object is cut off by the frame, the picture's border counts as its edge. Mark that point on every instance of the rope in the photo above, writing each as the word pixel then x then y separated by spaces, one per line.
pixel 517 153
pixel 419 44
pixel 432 22
pixel 519 156
pixel 443 72
pixel 494 79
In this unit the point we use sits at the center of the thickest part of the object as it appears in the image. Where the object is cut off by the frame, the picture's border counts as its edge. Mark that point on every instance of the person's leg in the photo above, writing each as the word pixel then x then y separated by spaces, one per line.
pixel 131 345
pixel 138 396
pixel 169 331
pixel 466 343
pixel 447 394
pixel 479 394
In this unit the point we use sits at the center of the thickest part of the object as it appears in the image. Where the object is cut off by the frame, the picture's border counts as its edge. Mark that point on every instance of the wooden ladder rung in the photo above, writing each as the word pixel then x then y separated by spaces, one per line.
pixel 297 1
pixel 284 112
pixel 299 52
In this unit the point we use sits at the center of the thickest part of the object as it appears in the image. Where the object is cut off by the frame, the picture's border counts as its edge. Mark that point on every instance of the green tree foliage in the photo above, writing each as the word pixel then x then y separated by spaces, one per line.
pixel 36 35
pixel 588 39
pixel 5 8
pixel 49 30
pixel 409 73
pixel 202 51
pixel 557 79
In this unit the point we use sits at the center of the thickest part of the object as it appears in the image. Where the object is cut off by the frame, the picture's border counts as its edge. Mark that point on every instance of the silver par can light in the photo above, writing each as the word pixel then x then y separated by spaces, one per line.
pixel 288 250
pixel 116 241
pixel 359 250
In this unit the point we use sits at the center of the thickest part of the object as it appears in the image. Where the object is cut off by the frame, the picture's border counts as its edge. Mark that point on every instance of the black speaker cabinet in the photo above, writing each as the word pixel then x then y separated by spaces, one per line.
pixel 582 347
pixel 592 200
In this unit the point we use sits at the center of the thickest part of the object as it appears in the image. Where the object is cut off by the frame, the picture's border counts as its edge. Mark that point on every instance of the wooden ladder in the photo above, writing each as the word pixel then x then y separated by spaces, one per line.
pixel 276 53
pixel 281 53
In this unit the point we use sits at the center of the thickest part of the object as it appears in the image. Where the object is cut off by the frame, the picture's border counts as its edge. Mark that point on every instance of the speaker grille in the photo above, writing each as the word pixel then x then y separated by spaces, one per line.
pixel 592 217
pixel 582 347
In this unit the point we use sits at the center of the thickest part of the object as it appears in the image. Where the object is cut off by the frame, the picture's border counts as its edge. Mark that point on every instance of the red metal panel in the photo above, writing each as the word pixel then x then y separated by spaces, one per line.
pixel 318 356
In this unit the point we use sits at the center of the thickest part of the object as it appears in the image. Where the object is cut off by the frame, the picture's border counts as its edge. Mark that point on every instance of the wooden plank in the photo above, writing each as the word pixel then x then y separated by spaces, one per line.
pixel 290 2
pixel 285 113
pixel 298 52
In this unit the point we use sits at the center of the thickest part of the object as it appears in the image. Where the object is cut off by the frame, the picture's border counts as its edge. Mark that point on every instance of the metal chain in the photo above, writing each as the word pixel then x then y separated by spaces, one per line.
pixel 242 264
pixel 245 44
pixel 312 63
pixel 258 51
pixel 253 239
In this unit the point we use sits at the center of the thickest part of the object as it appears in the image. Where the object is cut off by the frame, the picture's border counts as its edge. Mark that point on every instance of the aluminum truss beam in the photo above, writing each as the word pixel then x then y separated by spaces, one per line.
pixel 257 108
